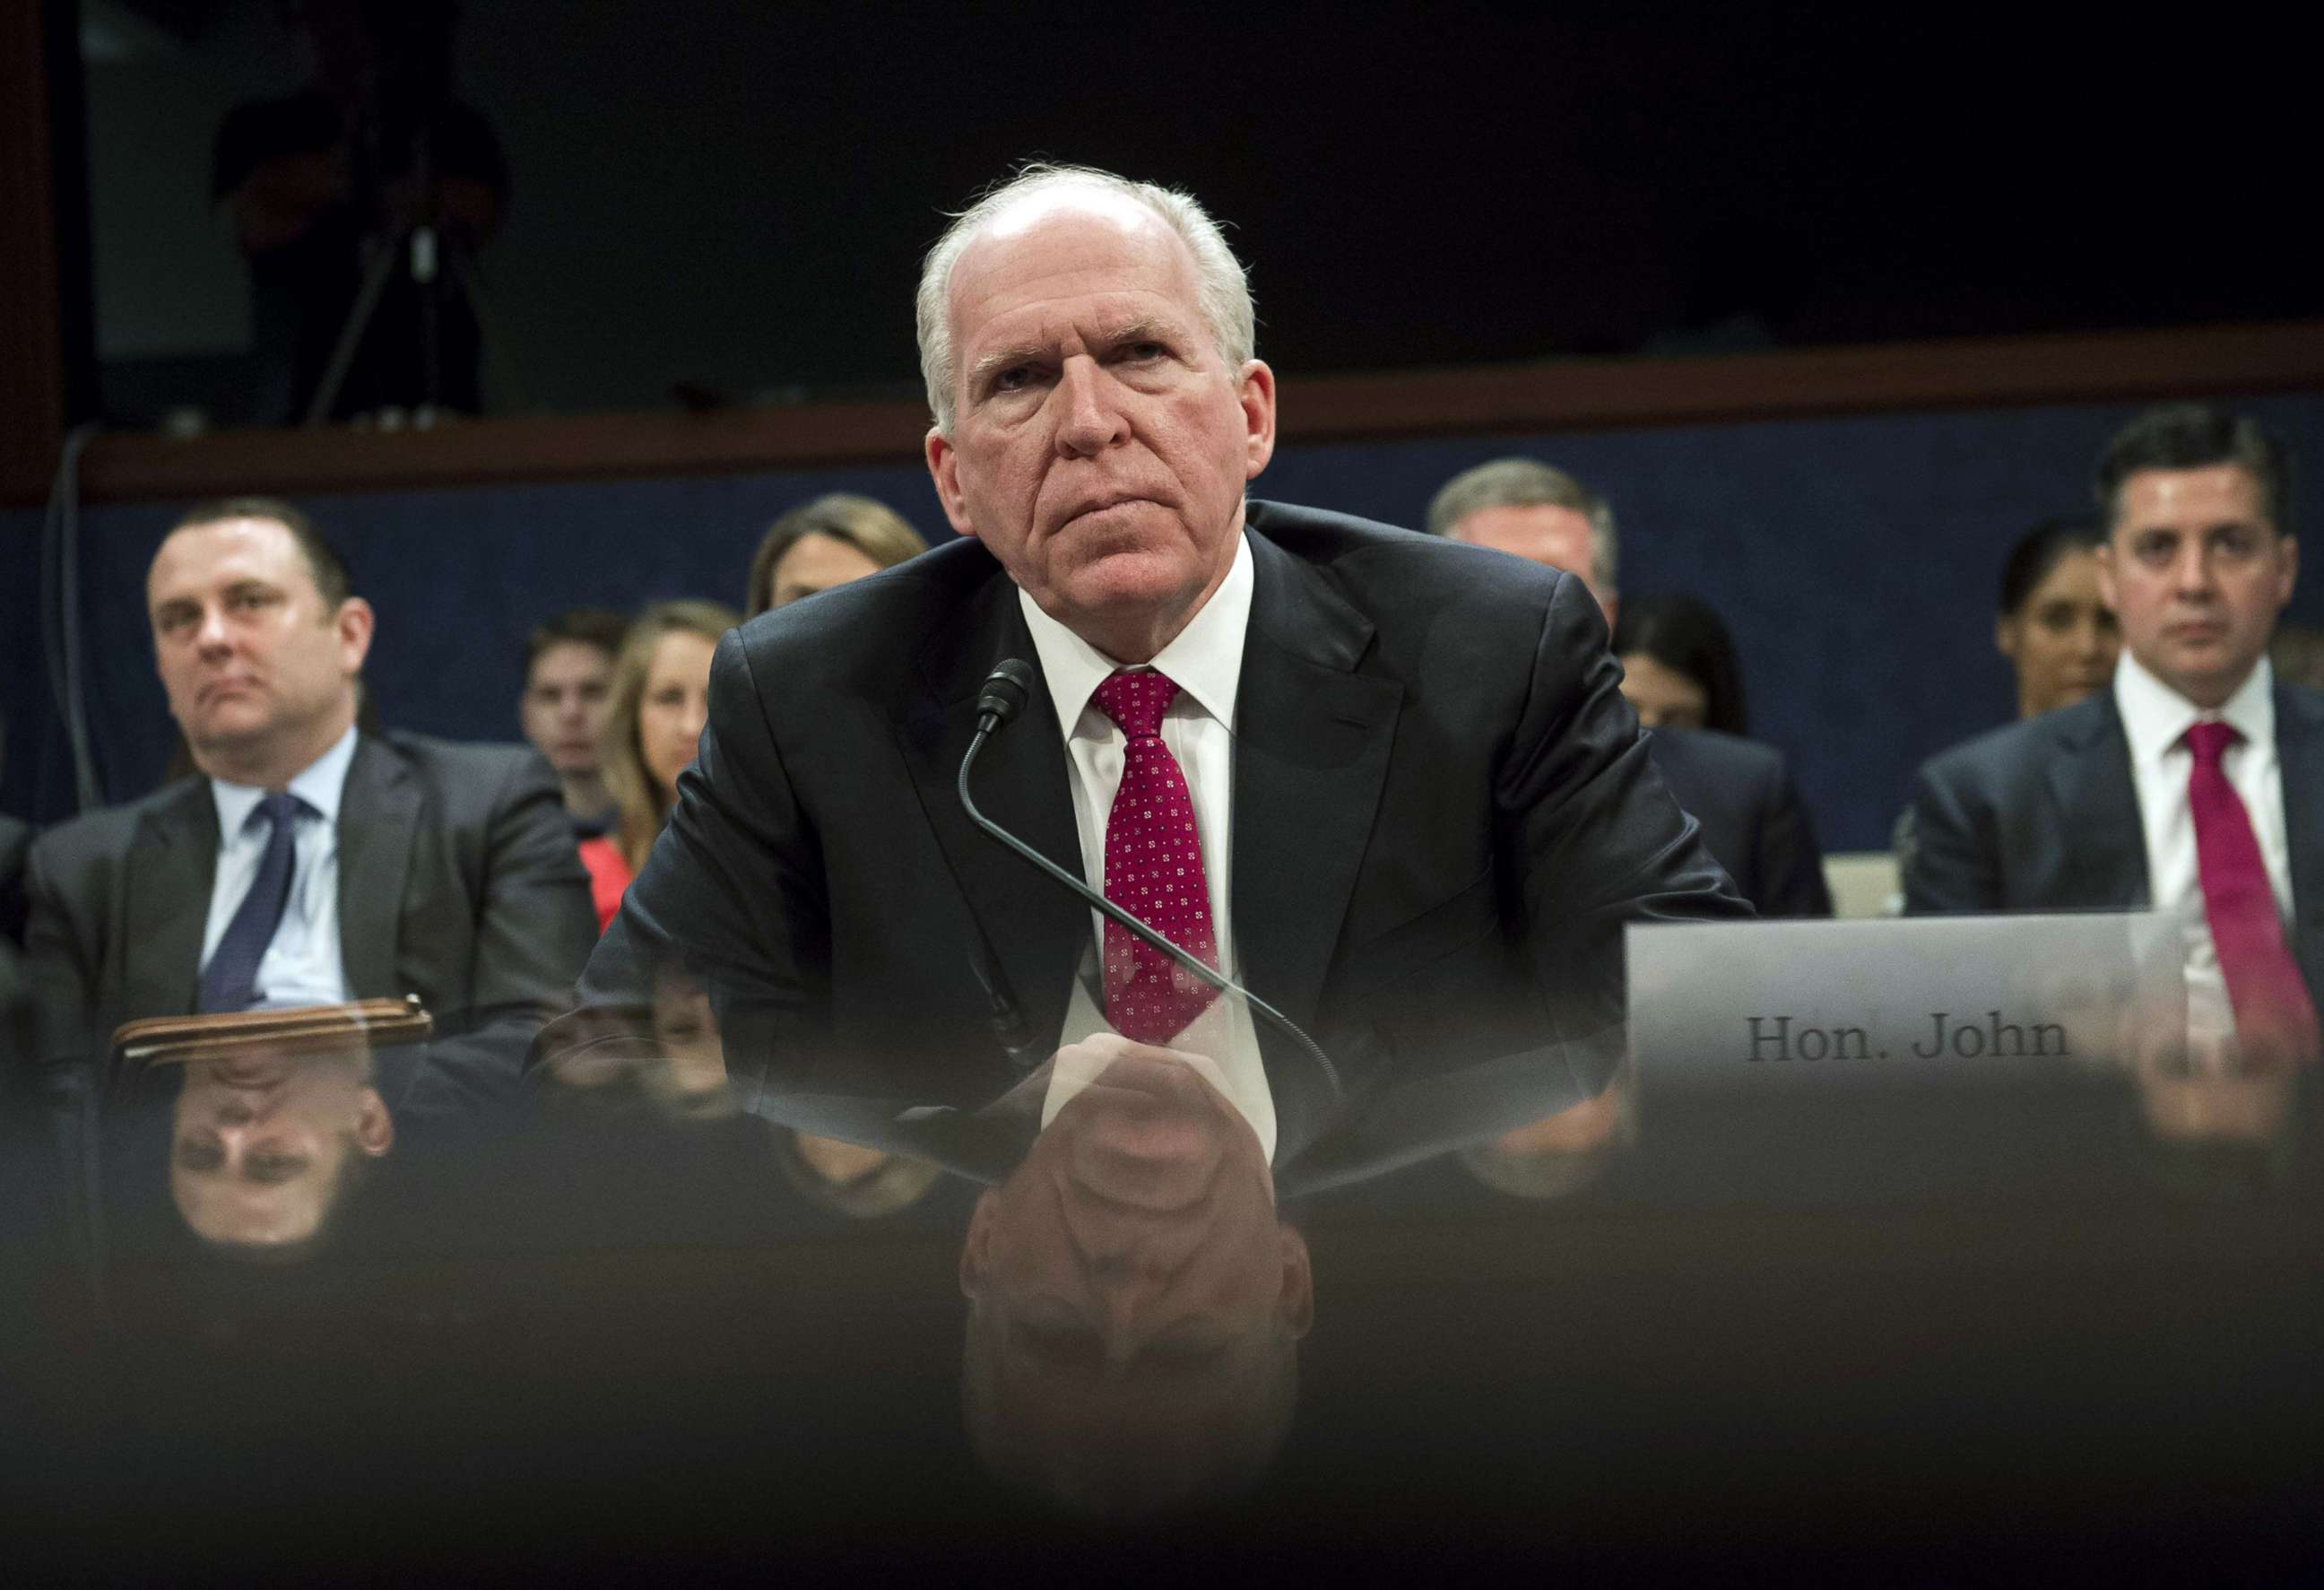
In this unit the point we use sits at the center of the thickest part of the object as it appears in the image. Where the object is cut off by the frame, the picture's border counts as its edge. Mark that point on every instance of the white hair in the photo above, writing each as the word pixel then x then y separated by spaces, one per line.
pixel 1221 292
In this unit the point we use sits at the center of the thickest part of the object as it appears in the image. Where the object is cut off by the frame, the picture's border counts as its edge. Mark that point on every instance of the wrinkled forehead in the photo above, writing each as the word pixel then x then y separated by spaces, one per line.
pixel 1070 249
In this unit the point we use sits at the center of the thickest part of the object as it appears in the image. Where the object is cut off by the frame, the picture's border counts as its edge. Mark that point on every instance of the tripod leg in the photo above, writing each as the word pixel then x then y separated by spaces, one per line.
pixel 351 335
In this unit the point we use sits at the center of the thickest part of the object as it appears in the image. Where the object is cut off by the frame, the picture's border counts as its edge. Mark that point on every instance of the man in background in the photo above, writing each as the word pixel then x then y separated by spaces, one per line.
pixel 1740 790
pixel 374 143
pixel 305 862
pixel 569 689
pixel 2195 784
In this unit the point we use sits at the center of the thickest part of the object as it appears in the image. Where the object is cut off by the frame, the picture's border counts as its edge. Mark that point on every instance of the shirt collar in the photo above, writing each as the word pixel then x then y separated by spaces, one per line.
pixel 1204 658
pixel 2155 716
pixel 320 785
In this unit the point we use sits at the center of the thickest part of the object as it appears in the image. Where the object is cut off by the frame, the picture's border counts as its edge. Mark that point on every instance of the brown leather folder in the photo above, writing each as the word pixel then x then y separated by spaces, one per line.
pixel 370 1023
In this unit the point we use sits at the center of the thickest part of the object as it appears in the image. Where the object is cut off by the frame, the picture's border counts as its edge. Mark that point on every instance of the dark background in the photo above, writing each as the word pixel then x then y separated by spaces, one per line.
pixel 737 196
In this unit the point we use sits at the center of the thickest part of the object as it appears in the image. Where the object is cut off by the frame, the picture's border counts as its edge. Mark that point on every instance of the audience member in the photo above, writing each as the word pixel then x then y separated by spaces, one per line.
pixel 661 687
pixel 827 542
pixel 1680 673
pixel 2195 783
pixel 1534 511
pixel 308 861
pixel 2057 634
pixel 569 681
pixel 1679 668
pixel 310 180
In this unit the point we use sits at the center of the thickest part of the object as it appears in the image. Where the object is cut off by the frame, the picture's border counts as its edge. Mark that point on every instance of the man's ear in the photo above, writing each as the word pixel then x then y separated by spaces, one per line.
pixel 354 622
pixel 374 1126
pixel 2288 551
pixel 975 1251
pixel 1255 392
pixel 944 469
pixel 2005 637
pixel 2109 592
pixel 1295 1304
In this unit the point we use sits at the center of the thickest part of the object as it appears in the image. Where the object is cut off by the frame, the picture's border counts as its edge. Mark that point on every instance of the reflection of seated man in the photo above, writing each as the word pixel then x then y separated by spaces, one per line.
pixel 310 862
pixel 1135 1303
pixel 265 1149
pixel 2196 782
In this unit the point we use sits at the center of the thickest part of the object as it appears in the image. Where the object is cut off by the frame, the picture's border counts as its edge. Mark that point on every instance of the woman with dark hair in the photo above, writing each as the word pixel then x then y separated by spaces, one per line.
pixel 2051 627
pixel 1680 669
pixel 827 542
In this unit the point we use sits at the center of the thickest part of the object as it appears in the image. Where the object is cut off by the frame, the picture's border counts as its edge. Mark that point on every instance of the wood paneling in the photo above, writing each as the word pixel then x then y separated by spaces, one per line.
pixel 1562 395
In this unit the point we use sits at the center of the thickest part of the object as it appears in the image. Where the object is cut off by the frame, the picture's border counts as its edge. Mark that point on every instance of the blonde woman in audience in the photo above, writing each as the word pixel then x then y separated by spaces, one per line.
pixel 827 542
pixel 661 695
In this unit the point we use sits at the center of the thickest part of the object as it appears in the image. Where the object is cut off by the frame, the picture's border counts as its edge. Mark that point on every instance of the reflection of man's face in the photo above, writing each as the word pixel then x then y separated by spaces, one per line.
pixel 261 1145
pixel 1132 1291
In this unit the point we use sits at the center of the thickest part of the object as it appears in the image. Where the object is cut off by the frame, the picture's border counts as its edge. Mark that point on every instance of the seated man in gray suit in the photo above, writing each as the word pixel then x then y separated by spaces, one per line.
pixel 2196 782
pixel 1740 792
pixel 308 863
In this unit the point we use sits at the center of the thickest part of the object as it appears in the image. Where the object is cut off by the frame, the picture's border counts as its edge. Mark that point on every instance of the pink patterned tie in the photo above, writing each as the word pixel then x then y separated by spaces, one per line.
pixel 1153 870
pixel 2274 1020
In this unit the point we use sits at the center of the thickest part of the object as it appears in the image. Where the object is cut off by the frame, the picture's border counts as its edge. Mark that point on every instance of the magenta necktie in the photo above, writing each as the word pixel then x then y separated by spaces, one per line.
pixel 2274 1020
pixel 1153 871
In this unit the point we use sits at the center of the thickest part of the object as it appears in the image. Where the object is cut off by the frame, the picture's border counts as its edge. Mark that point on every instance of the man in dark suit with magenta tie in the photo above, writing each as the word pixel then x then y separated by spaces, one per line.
pixel 2195 784
pixel 1381 783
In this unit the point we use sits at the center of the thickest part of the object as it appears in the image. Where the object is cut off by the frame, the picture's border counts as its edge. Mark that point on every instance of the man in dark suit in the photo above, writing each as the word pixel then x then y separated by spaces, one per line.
pixel 310 862
pixel 1390 789
pixel 1753 820
pixel 2195 783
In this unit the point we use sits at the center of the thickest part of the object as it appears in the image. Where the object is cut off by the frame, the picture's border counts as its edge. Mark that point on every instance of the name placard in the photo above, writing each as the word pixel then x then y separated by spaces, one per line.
pixel 1966 998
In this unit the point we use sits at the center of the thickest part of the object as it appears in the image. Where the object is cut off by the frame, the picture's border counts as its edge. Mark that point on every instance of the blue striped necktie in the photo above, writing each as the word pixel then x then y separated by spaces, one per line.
pixel 229 983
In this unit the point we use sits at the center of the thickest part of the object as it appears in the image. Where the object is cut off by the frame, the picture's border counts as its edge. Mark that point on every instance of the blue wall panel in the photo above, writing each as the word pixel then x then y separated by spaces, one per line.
pixel 1856 559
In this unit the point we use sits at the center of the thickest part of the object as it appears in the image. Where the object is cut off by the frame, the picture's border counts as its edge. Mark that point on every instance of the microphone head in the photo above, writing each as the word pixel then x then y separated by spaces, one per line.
pixel 1006 690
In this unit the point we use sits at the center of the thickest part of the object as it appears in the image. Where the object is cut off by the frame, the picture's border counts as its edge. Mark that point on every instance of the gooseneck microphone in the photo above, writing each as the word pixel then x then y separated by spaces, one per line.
pixel 1006 690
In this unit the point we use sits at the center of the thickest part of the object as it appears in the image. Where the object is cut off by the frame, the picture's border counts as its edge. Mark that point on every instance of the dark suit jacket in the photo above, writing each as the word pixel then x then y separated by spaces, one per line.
pixel 1752 819
pixel 15 850
pixel 1443 820
pixel 458 882
pixel 2042 815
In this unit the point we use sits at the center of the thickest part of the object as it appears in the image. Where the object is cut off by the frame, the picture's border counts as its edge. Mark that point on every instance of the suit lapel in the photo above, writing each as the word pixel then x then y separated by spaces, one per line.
pixel 2104 843
pixel 379 812
pixel 2300 758
pixel 1034 928
pixel 171 868
pixel 1311 753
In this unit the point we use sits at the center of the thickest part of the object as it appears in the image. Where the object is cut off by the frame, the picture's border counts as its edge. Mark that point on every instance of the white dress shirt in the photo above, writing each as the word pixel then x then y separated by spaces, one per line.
pixel 1206 659
pixel 2155 719
pixel 302 965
